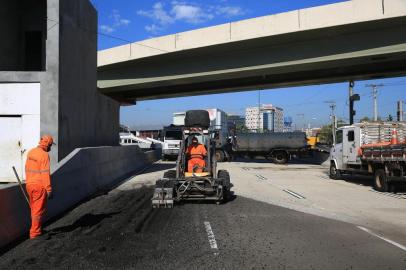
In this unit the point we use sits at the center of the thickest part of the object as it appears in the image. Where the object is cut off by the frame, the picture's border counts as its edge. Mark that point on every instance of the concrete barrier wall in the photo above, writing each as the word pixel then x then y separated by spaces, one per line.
pixel 81 174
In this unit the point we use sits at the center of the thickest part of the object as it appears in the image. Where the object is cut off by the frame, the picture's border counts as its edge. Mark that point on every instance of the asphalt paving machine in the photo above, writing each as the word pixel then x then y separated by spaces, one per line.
pixel 181 185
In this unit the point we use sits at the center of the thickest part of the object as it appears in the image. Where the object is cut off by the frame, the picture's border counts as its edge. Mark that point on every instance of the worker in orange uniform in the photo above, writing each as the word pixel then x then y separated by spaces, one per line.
pixel 38 182
pixel 196 152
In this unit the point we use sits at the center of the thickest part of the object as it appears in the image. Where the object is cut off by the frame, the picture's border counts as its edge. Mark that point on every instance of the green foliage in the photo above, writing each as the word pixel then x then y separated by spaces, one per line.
pixel 326 133
pixel 241 128
pixel 365 119
pixel 390 117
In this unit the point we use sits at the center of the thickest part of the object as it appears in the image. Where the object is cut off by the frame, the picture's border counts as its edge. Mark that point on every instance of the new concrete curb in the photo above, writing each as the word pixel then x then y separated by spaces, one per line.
pixel 81 174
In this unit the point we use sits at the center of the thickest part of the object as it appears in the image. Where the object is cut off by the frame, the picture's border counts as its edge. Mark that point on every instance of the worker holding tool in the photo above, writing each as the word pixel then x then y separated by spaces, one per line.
pixel 38 182
pixel 197 152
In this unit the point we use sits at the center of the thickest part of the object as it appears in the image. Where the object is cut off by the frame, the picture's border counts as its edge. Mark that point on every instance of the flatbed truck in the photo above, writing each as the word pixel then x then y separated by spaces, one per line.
pixel 376 149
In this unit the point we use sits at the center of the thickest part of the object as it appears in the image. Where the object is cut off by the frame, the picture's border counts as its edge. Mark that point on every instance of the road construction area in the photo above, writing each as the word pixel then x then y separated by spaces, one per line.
pixel 280 217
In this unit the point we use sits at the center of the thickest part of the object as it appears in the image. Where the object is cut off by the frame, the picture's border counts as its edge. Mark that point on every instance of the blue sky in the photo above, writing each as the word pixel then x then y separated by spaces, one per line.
pixel 123 21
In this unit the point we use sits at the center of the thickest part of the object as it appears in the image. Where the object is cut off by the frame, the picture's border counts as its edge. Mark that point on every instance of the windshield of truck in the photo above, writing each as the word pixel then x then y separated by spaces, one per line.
pixel 173 135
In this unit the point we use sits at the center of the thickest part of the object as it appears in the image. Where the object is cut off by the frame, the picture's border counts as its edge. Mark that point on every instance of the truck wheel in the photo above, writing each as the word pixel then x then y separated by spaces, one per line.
pixel 280 157
pixel 381 181
pixel 220 155
pixel 335 173
pixel 170 174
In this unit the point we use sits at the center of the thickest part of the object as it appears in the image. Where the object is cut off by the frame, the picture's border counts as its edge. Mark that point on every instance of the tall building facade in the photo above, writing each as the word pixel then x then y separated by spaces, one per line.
pixel 266 118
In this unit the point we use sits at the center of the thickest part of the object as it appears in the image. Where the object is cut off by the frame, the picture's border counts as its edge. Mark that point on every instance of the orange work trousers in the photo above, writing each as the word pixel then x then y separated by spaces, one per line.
pixel 38 202
pixel 196 161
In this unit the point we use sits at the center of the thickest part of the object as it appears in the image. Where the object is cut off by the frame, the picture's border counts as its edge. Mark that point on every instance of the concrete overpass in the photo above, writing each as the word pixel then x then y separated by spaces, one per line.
pixel 358 39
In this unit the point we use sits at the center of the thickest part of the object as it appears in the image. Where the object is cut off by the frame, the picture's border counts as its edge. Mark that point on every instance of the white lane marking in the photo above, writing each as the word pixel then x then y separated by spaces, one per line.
pixel 260 177
pixel 383 238
pixel 210 235
pixel 294 194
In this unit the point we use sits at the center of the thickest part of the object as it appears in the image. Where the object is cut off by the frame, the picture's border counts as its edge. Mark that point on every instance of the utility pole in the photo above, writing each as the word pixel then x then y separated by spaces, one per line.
pixel 375 96
pixel 352 97
pixel 400 110
pixel 333 115
pixel 333 118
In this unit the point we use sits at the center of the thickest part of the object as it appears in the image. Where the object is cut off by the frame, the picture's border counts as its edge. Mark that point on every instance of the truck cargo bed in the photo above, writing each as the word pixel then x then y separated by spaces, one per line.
pixel 385 153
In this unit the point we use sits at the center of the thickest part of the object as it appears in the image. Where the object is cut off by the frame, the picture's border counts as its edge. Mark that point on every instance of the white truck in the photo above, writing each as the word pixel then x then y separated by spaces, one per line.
pixel 219 126
pixel 171 137
pixel 377 149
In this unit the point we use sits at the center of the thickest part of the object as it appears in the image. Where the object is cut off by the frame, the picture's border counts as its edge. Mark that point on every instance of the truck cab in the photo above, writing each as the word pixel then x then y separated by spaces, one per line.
pixel 171 137
pixel 344 152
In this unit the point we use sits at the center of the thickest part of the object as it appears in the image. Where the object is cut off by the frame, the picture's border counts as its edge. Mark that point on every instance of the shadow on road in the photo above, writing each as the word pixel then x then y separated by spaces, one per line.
pixel 160 167
pixel 296 161
pixel 367 181
pixel 85 221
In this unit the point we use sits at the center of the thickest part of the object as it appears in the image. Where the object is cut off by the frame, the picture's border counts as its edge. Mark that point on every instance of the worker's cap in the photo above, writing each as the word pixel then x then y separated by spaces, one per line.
pixel 46 140
pixel 194 138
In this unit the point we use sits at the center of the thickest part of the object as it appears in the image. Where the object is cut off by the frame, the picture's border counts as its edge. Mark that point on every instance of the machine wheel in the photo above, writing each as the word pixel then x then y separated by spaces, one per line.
pixel 226 184
pixel 280 157
pixel 220 155
pixel 380 181
pixel 170 174
pixel 335 173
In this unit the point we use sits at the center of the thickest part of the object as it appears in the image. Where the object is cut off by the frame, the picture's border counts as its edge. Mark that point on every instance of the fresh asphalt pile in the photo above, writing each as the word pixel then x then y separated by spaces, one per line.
pixel 120 230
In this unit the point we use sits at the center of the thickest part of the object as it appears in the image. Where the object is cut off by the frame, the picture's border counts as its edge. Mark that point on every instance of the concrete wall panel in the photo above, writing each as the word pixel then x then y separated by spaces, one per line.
pixel 86 118
pixel 203 37
pixel 123 53
pixel 165 43
pixel 253 28
pixel 79 175
pixel 50 79
pixel 286 22
pixel 394 7
pixel 19 98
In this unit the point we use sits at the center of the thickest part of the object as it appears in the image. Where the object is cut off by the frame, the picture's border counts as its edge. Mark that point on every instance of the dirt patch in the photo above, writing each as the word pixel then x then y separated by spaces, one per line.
pixel 89 231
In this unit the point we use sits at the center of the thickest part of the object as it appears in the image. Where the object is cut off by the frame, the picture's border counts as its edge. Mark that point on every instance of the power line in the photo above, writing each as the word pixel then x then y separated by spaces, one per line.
pixel 109 36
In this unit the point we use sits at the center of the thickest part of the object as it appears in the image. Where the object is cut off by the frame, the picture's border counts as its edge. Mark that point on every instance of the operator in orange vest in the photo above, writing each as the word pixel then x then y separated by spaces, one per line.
pixel 197 152
pixel 38 182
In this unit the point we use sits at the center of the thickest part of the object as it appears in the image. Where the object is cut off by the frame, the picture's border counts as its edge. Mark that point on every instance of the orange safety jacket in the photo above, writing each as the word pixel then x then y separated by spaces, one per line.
pixel 37 168
pixel 197 152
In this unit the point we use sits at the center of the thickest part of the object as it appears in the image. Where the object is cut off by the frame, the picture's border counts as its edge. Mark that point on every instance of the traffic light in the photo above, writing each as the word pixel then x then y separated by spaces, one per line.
pixel 354 97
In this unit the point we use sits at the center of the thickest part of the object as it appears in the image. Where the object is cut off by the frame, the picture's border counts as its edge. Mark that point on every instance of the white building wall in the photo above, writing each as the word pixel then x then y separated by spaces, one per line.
pixel 254 122
pixel 21 102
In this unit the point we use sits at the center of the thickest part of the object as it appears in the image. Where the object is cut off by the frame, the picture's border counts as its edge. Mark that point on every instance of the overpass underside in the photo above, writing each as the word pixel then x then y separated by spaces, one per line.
pixel 365 50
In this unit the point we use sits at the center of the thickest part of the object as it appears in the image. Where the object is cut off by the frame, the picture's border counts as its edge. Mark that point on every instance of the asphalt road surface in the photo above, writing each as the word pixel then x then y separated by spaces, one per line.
pixel 120 230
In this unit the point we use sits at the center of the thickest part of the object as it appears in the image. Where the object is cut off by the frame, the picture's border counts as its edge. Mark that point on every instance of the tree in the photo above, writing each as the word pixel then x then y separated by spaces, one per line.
pixel 241 128
pixel 326 133
pixel 390 117
pixel 365 119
